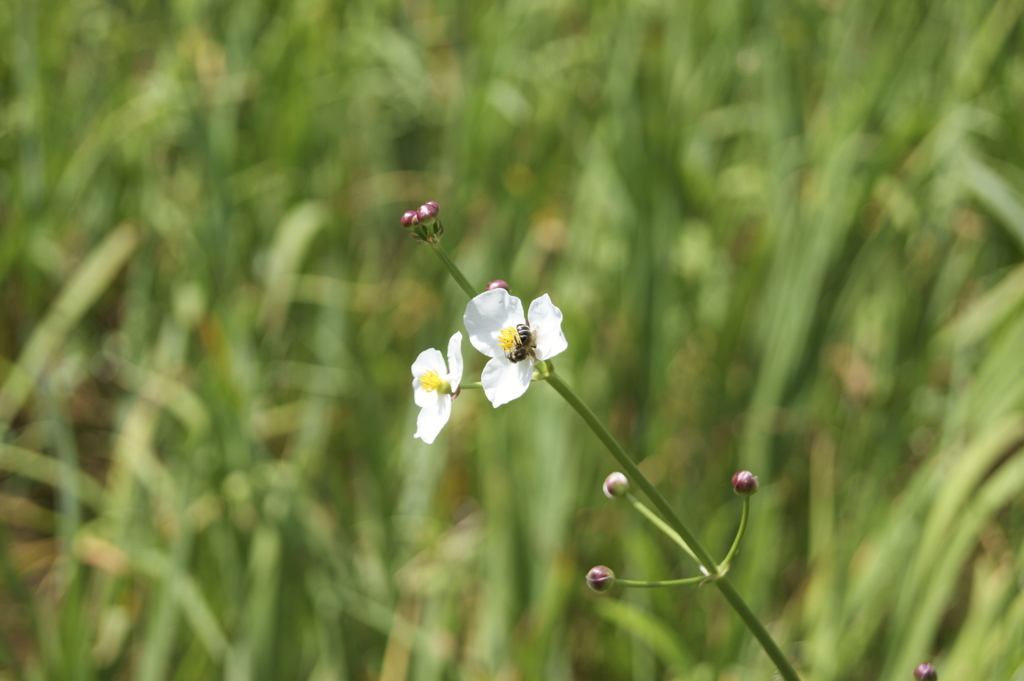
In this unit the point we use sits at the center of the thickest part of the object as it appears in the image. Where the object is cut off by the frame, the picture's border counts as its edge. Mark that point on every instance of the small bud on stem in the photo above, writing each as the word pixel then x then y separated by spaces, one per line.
pixel 428 210
pixel 925 672
pixel 497 283
pixel 616 485
pixel 410 219
pixel 745 483
pixel 600 579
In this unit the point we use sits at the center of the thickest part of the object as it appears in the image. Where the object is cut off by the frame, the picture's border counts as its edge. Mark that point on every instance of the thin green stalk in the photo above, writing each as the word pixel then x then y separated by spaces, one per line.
pixel 661 525
pixel 756 628
pixel 739 535
pixel 654 585
pixel 453 270
pixel 474 385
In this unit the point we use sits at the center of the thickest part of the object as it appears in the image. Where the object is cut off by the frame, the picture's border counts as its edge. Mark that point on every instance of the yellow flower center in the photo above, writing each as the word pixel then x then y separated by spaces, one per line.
pixel 508 338
pixel 431 381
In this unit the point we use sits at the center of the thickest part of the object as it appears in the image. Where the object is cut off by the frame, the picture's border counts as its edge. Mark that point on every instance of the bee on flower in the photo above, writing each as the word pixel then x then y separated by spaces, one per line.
pixel 515 342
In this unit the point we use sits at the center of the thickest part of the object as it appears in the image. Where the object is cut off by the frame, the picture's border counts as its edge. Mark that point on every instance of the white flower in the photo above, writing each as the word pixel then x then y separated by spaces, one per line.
pixel 497 328
pixel 434 387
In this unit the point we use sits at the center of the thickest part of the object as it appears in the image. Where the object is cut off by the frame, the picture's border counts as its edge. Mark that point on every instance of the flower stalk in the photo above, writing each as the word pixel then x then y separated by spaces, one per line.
pixel 634 584
pixel 727 561
pixel 669 522
pixel 452 269
pixel 664 527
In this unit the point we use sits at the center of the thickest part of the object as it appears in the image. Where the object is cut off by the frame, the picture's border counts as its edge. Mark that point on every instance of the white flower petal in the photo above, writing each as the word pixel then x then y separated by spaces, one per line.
pixel 433 417
pixel 455 360
pixel 428 360
pixel 422 398
pixel 489 313
pixel 546 324
pixel 504 381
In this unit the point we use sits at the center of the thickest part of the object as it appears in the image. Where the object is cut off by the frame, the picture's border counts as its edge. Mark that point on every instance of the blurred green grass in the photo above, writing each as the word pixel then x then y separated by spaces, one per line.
pixel 786 236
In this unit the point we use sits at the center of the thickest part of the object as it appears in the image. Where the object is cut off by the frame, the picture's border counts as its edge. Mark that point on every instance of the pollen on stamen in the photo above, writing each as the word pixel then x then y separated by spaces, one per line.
pixel 430 381
pixel 508 338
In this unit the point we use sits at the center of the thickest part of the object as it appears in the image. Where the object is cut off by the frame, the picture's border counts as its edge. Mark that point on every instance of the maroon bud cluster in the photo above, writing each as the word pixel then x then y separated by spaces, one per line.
pixel 600 579
pixel 925 672
pixel 423 224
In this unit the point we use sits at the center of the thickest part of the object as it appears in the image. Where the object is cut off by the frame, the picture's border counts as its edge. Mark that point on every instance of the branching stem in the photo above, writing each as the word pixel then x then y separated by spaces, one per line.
pixel 654 585
pixel 687 538
pixel 703 557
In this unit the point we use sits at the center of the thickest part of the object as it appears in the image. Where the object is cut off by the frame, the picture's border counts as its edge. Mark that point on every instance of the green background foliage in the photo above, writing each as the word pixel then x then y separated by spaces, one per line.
pixel 786 236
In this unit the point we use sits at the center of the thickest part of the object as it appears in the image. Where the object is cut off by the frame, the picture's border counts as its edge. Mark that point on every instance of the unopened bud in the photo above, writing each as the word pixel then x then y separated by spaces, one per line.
pixel 600 579
pixel 410 219
pixel 616 485
pixel 744 483
pixel 925 672
pixel 428 210
pixel 497 283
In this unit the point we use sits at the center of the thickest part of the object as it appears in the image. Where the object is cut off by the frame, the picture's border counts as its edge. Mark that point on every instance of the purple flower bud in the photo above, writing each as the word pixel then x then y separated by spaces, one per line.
pixel 497 283
pixel 744 483
pixel 428 210
pixel 616 485
pixel 410 219
pixel 600 579
pixel 925 672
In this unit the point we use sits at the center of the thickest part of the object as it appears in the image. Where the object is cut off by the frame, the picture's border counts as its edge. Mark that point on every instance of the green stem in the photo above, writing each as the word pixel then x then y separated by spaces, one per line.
pixel 542 370
pixel 453 270
pixel 739 535
pixel 757 629
pixel 475 385
pixel 633 473
pixel 703 557
pixel 661 525
pixel 654 585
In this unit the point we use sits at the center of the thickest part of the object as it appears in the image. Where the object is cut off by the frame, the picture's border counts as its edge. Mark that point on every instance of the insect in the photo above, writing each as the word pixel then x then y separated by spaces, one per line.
pixel 523 344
